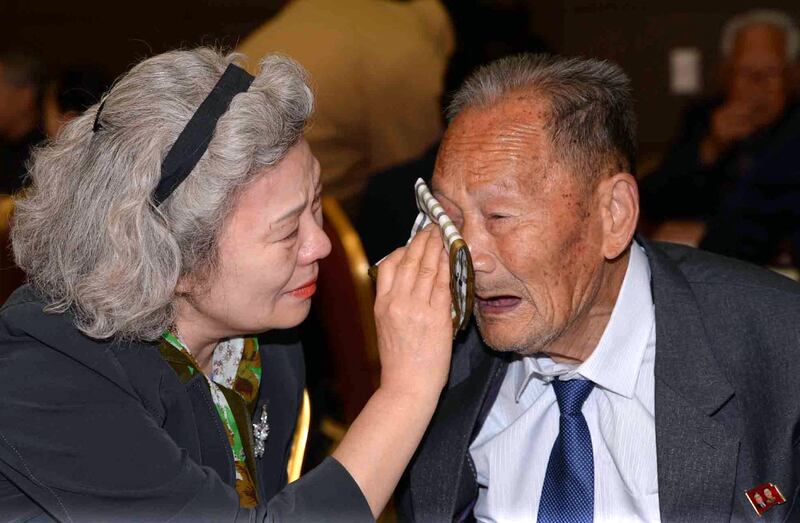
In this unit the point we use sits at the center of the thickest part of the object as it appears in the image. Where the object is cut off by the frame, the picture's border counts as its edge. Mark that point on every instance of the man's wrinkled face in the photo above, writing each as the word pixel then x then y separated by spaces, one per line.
pixel 531 226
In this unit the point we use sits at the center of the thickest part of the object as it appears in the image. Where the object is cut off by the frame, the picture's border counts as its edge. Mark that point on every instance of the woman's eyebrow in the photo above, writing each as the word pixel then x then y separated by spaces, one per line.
pixel 294 211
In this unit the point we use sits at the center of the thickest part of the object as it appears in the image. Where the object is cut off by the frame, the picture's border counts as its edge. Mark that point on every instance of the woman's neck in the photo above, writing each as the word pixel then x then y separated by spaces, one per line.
pixel 194 332
pixel 202 349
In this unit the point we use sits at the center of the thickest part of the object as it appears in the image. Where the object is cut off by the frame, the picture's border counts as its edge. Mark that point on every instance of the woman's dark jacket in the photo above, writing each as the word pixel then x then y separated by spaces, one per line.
pixel 105 431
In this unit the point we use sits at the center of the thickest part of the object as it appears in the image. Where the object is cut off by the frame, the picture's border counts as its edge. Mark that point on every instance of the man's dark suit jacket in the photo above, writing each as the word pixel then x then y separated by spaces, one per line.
pixel 96 431
pixel 727 397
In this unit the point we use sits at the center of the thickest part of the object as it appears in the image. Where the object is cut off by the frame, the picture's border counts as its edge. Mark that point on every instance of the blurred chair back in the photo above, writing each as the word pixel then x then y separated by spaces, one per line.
pixel 11 276
pixel 298 449
pixel 344 308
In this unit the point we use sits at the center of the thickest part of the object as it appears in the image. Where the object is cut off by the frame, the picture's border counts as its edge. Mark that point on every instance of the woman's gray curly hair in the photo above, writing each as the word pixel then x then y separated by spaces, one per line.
pixel 87 233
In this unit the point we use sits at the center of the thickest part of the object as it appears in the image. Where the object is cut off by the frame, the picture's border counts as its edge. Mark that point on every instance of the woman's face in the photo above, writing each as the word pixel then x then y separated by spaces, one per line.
pixel 268 252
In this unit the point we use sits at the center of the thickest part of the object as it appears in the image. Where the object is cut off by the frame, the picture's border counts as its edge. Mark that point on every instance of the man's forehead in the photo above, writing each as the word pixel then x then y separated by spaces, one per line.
pixel 490 147
pixel 485 185
pixel 515 107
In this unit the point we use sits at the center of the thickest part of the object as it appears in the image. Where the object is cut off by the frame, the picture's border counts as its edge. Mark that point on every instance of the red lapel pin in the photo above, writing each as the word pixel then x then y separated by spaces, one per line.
pixel 764 497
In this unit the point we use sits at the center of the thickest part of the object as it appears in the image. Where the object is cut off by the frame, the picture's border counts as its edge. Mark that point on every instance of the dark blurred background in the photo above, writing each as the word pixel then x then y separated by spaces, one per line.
pixel 638 35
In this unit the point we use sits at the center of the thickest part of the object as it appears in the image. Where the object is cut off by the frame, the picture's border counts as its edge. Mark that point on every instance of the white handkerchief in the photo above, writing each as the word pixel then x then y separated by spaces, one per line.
pixel 462 276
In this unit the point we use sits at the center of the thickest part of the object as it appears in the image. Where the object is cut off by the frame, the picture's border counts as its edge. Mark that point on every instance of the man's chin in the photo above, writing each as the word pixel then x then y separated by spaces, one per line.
pixel 501 338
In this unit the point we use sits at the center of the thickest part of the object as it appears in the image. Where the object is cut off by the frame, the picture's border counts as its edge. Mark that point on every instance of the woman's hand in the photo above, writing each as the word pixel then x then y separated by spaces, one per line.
pixel 412 316
pixel 415 338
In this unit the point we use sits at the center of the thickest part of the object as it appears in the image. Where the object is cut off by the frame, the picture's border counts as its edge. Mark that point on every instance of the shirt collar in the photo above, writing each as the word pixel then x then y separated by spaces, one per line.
pixel 614 364
pixel 225 361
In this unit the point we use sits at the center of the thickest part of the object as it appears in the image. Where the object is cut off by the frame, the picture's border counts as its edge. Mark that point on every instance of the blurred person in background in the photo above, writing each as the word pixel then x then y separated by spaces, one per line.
pixel 73 91
pixel 484 32
pixel 759 221
pixel 724 142
pixel 165 231
pixel 378 68
pixel 21 80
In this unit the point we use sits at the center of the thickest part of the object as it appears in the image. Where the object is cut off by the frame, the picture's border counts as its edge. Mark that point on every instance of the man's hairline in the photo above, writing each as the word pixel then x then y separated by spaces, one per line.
pixel 570 167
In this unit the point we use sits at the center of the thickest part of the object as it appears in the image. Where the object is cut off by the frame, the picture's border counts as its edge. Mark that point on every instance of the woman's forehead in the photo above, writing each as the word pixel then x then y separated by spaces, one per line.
pixel 281 191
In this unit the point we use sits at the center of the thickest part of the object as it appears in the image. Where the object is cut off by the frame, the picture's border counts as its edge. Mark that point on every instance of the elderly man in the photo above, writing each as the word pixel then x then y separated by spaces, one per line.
pixel 613 379
pixel 727 144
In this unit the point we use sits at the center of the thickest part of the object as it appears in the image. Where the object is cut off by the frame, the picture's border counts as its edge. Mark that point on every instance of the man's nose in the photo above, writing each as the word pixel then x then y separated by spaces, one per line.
pixel 480 249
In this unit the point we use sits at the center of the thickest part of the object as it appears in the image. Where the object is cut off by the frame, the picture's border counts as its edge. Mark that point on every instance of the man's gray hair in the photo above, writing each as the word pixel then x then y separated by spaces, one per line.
pixel 87 232
pixel 591 121
pixel 772 17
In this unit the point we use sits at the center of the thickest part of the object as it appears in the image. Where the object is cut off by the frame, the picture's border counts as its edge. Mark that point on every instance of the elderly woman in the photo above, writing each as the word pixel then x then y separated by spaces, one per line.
pixel 164 232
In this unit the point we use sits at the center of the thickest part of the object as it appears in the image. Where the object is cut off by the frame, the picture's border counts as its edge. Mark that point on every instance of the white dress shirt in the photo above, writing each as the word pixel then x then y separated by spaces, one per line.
pixel 513 447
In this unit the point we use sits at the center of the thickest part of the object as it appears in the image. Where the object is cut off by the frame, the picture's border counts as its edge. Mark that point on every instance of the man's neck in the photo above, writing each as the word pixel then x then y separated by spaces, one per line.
pixel 581 338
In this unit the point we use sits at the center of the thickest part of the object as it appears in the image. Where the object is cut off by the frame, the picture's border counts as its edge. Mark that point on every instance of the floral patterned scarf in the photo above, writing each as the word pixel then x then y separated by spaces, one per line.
pixel 234 382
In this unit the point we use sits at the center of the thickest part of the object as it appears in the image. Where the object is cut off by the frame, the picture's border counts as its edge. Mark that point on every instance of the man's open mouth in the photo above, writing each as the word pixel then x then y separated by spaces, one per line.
pixel 497 304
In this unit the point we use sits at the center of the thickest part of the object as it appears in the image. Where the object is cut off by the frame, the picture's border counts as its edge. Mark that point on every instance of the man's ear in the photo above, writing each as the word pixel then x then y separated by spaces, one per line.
pixel 619 199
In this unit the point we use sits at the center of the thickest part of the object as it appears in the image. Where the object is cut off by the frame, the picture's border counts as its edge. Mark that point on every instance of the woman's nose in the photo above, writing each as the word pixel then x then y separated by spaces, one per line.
pixel 317 245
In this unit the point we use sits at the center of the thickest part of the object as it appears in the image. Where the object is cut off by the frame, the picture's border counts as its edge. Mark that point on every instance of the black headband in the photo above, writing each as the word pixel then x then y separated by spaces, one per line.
pixel 195 137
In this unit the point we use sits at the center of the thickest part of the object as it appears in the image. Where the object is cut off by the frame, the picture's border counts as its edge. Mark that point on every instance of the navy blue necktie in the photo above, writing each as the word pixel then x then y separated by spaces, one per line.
pixel 568 491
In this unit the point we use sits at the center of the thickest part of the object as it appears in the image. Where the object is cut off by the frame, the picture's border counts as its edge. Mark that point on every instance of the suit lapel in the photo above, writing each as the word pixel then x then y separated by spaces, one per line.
pixel 438 475
pixel 696 441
